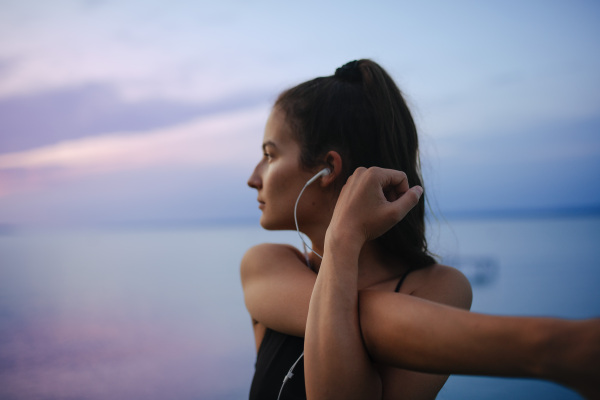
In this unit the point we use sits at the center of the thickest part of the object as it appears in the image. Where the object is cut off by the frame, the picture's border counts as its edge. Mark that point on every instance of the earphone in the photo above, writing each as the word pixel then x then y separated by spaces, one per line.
pixel 323 172
pixel 289 375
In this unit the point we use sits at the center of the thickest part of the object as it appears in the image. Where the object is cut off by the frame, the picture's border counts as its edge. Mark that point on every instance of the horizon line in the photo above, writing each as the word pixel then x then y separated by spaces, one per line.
pixel 247 220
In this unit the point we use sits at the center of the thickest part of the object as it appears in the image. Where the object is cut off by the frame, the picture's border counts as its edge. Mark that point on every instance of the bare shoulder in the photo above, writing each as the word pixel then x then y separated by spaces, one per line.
pixel 262 257
pixel 272 249
pixel 442 284
pixel 437 283
pixel 277 286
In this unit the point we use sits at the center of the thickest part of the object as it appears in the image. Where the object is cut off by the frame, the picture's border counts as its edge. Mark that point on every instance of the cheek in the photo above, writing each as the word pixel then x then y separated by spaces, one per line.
pixel 278 182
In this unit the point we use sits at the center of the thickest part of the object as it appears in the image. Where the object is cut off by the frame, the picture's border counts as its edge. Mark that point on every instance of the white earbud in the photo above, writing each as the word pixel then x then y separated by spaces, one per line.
pixel 323 172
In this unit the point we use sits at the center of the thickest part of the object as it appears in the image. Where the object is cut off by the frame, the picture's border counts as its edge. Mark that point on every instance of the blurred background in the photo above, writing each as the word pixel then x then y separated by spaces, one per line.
pixel 128 131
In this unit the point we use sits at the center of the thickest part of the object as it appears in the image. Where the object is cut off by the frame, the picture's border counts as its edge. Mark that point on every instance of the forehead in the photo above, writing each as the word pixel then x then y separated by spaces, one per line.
pixel 277 131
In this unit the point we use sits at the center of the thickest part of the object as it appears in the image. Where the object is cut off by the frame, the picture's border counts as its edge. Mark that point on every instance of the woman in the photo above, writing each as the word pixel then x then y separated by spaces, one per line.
pixel 380 318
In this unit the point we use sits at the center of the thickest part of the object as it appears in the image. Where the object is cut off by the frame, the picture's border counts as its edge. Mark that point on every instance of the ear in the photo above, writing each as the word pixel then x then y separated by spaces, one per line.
pixel 333 161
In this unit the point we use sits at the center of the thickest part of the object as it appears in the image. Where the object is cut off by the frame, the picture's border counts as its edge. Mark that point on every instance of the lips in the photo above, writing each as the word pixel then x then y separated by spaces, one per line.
pixel 261 204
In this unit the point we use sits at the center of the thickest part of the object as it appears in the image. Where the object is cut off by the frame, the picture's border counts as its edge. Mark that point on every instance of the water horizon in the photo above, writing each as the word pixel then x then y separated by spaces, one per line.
pixel 592 210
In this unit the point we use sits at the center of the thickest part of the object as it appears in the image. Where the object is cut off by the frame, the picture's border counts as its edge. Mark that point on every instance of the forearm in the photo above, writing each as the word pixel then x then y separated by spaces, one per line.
pixel 435 338
pixel 337 365
pixel 429 337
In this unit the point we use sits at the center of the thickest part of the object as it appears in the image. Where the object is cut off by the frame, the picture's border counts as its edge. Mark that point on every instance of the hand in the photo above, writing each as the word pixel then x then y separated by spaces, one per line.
pixel 371 202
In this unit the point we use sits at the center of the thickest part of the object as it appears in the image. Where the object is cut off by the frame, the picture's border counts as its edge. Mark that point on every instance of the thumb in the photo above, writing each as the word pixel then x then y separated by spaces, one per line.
pixel 407 201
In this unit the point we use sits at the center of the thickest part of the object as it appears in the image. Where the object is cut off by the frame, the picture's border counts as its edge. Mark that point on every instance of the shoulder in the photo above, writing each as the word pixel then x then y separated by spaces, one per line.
pixel 436 283
pixel 270 261
pixel 260 258
pixel 277 286
pixel 272 249
pixel 442 284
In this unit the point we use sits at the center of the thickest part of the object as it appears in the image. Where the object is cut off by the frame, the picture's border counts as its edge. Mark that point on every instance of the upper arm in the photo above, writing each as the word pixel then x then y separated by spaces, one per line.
pixel 439 284
pixel 277 287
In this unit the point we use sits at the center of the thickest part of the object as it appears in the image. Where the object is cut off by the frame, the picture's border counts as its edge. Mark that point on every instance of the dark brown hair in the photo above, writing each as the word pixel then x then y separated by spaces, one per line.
pixel 360 113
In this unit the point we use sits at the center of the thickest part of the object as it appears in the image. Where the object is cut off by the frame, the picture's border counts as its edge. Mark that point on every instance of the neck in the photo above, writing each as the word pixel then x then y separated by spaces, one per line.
pixel 375 265
pixel 317 244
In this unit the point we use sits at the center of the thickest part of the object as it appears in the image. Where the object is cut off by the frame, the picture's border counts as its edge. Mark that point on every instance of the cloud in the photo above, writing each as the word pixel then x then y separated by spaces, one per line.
pixel 210 141
pixel 152 80
pixel 145 49
pixel 45 118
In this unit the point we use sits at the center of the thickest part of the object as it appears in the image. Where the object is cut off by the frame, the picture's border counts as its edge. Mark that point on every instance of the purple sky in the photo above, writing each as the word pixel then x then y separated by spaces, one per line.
pixel 147 112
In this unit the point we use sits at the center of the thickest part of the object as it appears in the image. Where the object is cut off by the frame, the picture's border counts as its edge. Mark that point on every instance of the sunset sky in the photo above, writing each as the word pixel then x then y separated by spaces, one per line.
pixel 117 112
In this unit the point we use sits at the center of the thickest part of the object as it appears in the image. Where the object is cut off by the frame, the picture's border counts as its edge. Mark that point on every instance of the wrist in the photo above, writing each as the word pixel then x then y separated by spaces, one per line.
pixel 347 241
pixel 557 346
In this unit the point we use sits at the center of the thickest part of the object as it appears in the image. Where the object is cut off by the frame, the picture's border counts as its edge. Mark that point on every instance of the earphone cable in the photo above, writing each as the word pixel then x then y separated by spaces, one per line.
pixel 289 375
pixel 291 371
pixel 296 221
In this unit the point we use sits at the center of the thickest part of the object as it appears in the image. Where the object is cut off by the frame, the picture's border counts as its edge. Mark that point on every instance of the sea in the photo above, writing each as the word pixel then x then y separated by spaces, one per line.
pixel 158 312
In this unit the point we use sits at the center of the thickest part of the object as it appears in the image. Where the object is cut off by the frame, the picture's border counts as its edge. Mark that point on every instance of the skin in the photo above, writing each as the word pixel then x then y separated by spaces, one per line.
pixel 278 286
pixel 362 340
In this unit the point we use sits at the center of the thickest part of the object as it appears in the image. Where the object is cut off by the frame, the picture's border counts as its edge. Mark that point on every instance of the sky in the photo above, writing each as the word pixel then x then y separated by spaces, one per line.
pixel 152 112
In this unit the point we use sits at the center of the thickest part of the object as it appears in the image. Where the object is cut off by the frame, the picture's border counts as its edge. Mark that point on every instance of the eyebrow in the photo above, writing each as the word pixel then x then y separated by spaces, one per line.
pixel 268 143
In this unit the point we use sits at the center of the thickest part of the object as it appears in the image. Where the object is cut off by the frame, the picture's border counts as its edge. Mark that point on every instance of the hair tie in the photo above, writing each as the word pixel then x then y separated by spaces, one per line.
pixel 349 72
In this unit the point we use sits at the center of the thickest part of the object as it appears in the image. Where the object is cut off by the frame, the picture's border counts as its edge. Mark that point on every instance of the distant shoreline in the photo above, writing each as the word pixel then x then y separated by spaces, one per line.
pixel 524 213
pixel 225 222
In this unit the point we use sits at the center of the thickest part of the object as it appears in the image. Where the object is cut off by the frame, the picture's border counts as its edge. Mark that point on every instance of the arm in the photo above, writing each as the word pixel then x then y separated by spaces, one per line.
pixel 431 337
pixel 440 284
pixel 277 287
pixel 337 364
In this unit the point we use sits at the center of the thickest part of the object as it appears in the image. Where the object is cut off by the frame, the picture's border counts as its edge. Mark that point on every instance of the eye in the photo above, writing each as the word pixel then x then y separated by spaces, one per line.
pixel 267 155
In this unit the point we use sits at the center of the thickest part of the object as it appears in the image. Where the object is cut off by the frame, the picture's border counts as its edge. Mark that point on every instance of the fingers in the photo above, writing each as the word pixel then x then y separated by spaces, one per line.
pixel 373 200
pixel 385 177
pixel 396 179
pixel 406 202
pixel 394 186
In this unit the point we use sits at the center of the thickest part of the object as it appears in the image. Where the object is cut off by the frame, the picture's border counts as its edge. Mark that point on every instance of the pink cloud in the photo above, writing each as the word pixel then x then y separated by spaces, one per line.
pixel 222 139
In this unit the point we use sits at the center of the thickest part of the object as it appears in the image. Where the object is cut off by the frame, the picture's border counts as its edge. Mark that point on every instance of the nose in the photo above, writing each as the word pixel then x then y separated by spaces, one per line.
pixel 255 181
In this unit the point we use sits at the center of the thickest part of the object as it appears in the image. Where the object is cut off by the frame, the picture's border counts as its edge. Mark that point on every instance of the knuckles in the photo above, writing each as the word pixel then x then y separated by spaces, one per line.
pixel 376 171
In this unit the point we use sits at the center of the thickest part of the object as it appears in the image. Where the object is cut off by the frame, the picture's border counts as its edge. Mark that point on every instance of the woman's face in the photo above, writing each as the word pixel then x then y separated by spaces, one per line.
pixel 279 178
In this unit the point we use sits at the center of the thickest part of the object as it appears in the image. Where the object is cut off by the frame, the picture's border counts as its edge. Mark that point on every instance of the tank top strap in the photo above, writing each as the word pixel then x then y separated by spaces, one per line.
pixel 401 281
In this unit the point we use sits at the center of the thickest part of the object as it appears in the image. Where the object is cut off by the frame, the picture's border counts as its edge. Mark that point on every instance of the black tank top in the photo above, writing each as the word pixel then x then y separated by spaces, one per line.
pixel 276 355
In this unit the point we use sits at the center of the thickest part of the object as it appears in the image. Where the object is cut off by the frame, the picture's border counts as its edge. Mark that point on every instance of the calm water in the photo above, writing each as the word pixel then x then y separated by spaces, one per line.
pixel 159 314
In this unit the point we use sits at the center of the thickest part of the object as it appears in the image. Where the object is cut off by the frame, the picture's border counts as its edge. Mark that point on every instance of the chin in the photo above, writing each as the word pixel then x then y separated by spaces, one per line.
pixel 266 224
pixel 271 225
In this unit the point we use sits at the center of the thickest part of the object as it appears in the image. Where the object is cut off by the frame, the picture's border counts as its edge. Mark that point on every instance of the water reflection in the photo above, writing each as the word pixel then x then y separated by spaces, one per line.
pixel 69 356
pixel 121 317
pixel 160 315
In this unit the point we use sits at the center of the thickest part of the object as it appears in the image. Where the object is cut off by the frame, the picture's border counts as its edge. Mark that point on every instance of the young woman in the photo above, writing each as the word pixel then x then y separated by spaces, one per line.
pixel 371 311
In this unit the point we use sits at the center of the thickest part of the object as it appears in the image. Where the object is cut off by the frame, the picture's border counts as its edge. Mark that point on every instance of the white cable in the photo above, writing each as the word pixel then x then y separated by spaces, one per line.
pixel 314 178
pixel 289 375
pixel 296 221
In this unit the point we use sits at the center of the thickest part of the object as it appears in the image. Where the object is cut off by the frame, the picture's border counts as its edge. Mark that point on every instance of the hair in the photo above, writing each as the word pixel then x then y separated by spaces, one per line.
pixel 360 113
